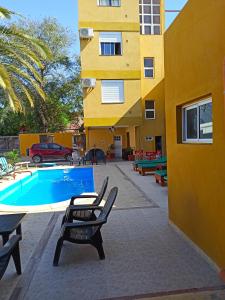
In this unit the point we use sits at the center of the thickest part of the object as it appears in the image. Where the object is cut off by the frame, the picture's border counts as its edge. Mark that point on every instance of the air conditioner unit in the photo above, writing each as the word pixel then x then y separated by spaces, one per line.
pixel 88 82
pixel 86 33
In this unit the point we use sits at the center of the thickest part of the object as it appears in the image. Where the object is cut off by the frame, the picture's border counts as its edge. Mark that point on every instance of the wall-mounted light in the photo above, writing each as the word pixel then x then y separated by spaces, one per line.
pixel 112 129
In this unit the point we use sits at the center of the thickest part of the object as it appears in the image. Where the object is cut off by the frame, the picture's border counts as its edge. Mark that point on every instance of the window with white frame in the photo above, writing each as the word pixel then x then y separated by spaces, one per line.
pixel 109 2
pixel 197 122
pixel 112 91
pixel 149 12
pixel 150 109
pixel 110 43
pixel 149 67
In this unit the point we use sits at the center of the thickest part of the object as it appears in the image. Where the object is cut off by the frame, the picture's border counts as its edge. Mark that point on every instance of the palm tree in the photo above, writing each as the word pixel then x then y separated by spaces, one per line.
pixel 21 58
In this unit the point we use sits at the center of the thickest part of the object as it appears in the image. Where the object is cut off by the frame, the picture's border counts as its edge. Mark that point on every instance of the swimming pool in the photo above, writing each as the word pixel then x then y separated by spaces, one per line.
pixel 48 187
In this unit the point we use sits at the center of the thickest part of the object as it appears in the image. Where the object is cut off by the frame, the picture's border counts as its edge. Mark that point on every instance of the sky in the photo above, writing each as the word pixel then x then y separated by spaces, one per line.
pixel 66 11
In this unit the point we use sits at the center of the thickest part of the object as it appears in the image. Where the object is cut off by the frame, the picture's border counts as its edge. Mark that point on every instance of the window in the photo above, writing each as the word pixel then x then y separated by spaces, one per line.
pixel 148 67
pixel 149 11
pixel 197 122
pixel 109 2
pixel 149 109
pixel 112 91
pixel 43 146
pixel 54 146
pixel 110 43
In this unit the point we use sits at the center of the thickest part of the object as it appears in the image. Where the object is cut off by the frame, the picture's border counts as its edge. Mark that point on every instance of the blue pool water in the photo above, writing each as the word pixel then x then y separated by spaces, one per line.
pixel 48 187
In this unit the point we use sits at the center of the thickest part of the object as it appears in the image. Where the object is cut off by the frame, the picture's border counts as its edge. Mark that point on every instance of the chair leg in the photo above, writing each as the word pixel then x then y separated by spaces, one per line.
pixel 57 252
pixel 100 249
pixel 97 243
pixel 16 258
pixel 63 220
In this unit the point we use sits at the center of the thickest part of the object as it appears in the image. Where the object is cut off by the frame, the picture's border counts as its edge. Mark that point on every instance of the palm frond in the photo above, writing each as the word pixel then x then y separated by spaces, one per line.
pixel 38 45
pixel 24 89
pixel 5 13
pixel 21 60
pixel 18 72
pixel 13 55
pixel 6 84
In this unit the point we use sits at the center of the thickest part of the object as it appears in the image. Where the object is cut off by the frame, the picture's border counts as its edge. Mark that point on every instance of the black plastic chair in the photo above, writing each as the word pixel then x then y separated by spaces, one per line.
pixel 85 215
pixel 11 248
pixel 87 232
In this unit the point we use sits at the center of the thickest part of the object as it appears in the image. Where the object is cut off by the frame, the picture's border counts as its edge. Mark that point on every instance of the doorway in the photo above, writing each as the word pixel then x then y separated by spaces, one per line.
pixel 128 139
pixel 118 146
pixel 158 143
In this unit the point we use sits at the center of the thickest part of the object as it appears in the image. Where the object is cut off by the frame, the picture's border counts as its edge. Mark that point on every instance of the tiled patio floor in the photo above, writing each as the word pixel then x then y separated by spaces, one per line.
pixel 145 257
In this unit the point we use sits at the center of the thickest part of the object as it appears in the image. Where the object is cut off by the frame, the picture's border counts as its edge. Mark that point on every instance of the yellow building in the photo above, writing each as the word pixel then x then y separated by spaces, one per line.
pixel 26 140
pixel 122 73
pixel 195 124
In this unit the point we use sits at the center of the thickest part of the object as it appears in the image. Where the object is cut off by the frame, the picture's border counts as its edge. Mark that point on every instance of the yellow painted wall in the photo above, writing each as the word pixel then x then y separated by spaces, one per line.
pixel 152 46
pixel 154 127
pixel 110 114
pixel 126 63
pixel 64 138
pixel 90 12
pixel 194 55
pixel 152 89
pixel 132 133
pixel 27 140
pixel 102 137
pixel 128 67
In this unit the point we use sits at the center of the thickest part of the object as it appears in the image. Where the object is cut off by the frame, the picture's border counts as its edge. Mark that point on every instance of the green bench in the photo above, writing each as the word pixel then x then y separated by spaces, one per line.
pixel 138 163
pixel 161 177
pixel 151 167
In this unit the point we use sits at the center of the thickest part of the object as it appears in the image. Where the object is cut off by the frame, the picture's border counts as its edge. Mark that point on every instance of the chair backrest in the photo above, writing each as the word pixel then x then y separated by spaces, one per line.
pixel 108 204
pixel 102 192
pixel 4 163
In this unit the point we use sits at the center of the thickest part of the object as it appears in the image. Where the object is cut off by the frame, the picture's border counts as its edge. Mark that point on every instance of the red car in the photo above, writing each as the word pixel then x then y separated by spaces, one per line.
pixel 39 152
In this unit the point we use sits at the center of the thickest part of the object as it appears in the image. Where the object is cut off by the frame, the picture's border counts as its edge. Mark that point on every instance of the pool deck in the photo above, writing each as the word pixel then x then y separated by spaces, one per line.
pixel 145 257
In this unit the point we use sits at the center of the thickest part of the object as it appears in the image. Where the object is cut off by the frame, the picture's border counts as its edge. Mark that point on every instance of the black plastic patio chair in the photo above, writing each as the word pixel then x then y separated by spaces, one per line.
pixel 85 215
pixel 11 248
pixel 86 232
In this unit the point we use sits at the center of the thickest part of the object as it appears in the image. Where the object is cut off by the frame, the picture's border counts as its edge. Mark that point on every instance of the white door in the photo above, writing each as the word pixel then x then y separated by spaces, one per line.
pixel 118 146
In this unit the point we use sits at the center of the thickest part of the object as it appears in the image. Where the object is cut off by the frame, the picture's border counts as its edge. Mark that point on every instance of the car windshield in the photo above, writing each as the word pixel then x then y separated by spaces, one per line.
pixel 40 146
pixel 54 146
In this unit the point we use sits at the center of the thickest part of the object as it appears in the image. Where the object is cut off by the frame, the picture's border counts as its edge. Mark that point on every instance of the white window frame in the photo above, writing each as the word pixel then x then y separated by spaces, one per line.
pixel 152 24
pixel 184 124
pixel 150 68
pixel 150 109
pixel 110 1
pixel 119 37
pixel 113 102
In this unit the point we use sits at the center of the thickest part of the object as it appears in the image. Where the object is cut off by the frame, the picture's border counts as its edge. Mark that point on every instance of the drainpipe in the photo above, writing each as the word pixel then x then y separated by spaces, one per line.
pixel 222 272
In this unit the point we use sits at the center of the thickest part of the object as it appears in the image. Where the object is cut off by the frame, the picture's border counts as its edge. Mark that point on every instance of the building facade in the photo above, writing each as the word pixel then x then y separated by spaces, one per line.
pixel 195 124
pixel 122 73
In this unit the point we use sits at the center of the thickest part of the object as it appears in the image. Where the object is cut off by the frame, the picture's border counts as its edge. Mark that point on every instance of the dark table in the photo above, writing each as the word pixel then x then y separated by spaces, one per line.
pixel 9 223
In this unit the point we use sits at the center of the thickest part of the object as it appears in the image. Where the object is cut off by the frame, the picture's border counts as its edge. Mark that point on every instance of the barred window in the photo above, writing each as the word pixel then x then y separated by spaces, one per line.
pixel 149 11
pixel 150 109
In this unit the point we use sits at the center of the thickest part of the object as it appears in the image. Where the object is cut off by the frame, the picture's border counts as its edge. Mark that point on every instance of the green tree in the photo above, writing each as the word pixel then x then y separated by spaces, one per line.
pixel 21 57
pixel 60 77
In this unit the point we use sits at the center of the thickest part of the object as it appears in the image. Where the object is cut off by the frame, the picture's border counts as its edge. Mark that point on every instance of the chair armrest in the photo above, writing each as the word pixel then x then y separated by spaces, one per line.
pixel 83 224
pixel 84 207
pixel 73 198
pixel 73 208
pixel 9 246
